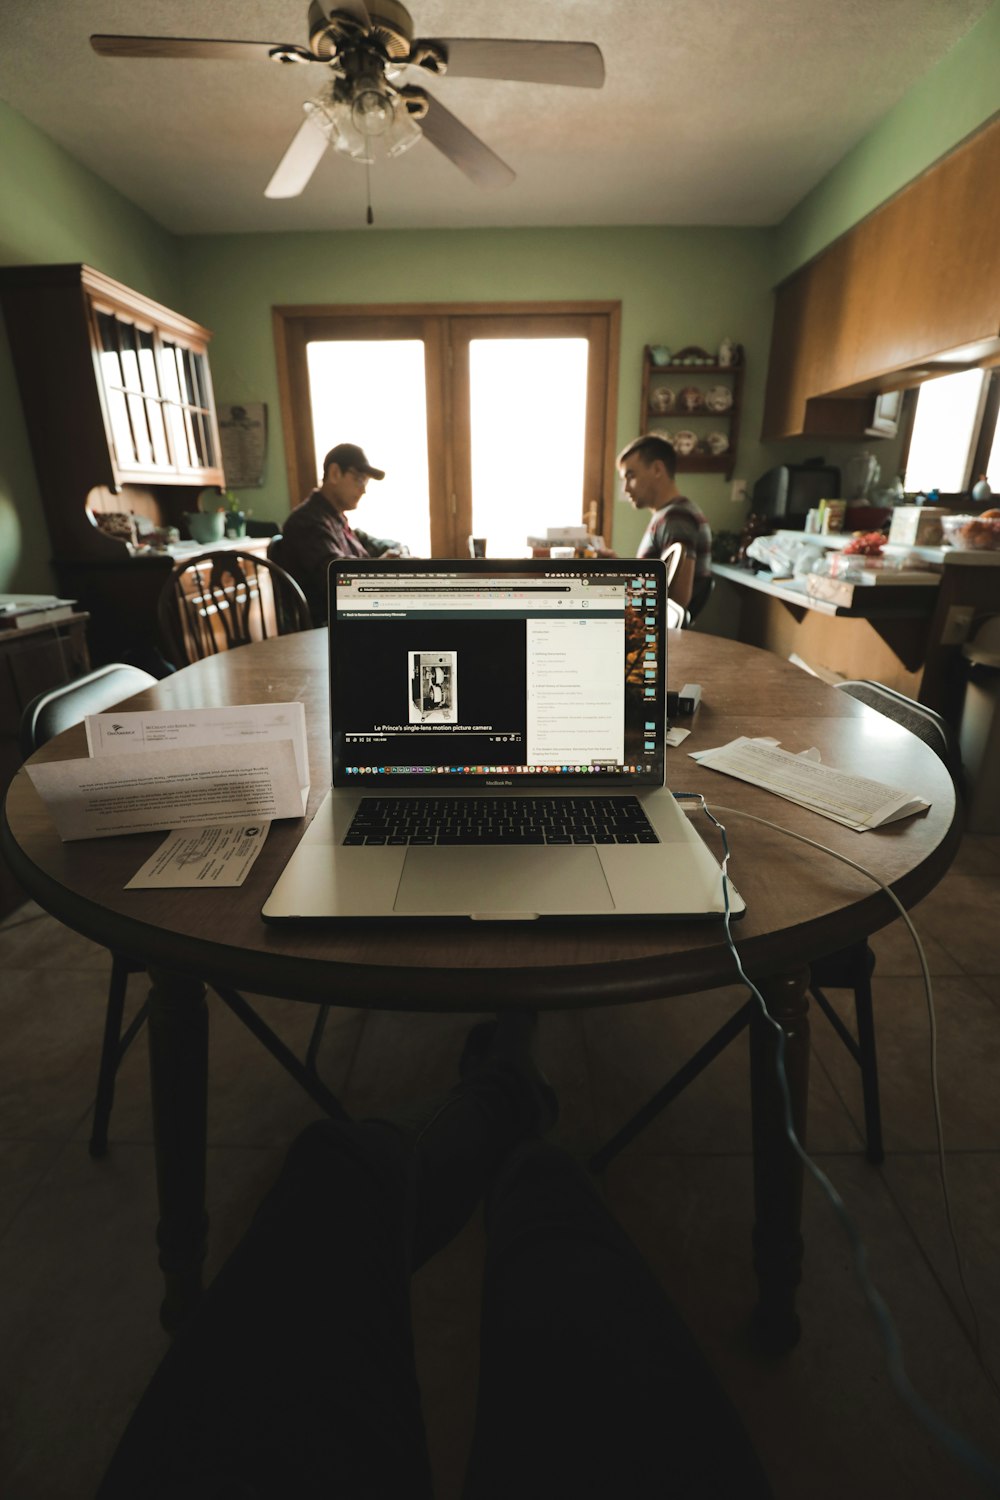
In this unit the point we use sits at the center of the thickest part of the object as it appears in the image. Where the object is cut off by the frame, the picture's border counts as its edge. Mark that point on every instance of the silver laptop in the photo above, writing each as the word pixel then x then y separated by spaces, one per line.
pixel 498 749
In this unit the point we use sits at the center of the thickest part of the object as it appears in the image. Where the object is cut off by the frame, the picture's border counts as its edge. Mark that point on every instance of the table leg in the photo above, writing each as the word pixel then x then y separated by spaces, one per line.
pixel 178 1061
pixel 777 1235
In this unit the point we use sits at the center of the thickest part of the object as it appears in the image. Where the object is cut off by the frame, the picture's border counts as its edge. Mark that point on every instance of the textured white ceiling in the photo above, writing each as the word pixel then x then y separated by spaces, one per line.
pixel 713 111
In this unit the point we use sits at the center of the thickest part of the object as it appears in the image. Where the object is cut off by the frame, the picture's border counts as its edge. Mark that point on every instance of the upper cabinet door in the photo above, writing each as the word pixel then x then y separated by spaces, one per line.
pixel 156 392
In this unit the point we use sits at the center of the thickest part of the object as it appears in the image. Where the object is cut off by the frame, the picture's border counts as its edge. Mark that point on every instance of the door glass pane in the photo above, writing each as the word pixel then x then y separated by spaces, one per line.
pixel 130 358
pixel 111 368
pixel 528 410
pixel 161 454
pixel 147 362
pixel 121 431
pixel 371 392
pixel 947 409
pixel 168 372
pixel 140 432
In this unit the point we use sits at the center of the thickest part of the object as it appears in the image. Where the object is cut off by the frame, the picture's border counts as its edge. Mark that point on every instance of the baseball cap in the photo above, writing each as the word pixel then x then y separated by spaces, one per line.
pixel 350 456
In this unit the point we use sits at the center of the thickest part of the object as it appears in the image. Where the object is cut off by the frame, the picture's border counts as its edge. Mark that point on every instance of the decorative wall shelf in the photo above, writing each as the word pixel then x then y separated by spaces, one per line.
pixel 663 409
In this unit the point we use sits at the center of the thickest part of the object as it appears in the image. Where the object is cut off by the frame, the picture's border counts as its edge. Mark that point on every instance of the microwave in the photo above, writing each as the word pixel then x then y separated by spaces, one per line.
pixel 787 493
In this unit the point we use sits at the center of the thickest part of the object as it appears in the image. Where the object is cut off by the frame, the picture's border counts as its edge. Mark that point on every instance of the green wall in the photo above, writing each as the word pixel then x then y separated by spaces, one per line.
pixel 958 95
pixel 676 286
pixel 53 210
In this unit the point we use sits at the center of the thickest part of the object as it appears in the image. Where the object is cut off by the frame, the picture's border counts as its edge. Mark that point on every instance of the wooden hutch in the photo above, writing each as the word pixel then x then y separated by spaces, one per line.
pixel 118 403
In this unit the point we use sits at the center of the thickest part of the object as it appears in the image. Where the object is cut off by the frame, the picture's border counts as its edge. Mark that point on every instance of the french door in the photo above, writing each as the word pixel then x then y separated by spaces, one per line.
pixel 490 421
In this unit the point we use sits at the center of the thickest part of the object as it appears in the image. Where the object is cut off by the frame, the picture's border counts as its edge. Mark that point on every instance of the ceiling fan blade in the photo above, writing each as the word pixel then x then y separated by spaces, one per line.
pixel 299 162
pixel 194 47
pixel 457 142
pixel 578 64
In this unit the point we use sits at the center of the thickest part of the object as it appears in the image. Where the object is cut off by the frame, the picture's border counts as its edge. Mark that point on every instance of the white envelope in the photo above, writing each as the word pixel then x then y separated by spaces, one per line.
pixel 211 766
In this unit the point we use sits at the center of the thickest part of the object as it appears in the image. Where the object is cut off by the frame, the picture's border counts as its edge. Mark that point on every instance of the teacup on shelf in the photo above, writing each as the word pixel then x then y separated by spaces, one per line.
pixel 684 443
pixel 662 400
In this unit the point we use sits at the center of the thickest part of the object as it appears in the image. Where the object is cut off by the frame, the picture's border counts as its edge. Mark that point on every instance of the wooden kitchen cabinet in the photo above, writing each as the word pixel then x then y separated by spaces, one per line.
pixel 909 293
pixel 118 401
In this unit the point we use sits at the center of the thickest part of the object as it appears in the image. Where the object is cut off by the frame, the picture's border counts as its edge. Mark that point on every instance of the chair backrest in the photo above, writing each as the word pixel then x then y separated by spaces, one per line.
pixel 677 615
pixel 61 707
pixel 916 717
pixel 219 600
pixel 672 556
pixel 700 595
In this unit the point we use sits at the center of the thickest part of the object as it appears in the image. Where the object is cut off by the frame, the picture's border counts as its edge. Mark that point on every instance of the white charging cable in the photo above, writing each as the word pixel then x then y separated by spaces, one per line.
pixel 957 1444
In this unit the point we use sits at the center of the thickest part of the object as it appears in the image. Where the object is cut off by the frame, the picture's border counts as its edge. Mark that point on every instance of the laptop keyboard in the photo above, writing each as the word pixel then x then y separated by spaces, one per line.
pixel 500 820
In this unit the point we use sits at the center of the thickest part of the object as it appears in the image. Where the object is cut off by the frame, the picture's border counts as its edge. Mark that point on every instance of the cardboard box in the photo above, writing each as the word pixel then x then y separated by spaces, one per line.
pixel 917 525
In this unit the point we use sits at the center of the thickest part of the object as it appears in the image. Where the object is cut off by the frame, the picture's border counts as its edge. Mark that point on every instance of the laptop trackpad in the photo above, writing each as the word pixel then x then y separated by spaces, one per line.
pixel 491 881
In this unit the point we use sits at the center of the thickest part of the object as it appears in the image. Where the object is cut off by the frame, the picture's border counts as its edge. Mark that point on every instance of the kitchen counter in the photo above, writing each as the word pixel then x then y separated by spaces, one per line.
pixel 937 556
pixel 893 601
pixel 909 637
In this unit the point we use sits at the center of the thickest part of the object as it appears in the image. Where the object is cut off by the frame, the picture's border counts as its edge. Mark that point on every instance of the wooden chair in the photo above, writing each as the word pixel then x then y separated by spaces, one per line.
pixel 672 556
pixel 850 968
pixel 43 718
pixel 700 595
pixel 219 600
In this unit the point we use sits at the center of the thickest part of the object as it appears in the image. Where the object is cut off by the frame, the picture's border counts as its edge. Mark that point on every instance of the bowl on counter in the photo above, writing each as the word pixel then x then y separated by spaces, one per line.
pixel 972 533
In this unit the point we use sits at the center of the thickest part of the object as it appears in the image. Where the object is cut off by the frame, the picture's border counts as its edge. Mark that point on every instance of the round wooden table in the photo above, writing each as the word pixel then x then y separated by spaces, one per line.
pixel 801 905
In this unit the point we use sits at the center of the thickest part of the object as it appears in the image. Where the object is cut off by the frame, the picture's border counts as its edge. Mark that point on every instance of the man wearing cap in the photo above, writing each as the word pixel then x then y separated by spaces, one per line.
pixel 318 529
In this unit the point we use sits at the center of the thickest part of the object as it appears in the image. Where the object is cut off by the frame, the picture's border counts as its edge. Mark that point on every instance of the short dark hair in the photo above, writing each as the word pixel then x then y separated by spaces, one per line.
pixel 650 447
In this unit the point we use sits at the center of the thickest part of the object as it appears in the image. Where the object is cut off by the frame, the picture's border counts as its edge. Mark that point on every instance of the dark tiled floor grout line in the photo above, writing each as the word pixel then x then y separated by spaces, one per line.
pixel 59 1147
pixel 962 1316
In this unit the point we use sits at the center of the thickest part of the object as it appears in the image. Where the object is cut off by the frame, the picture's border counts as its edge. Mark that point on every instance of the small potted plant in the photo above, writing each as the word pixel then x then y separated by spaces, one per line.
pixel 236 516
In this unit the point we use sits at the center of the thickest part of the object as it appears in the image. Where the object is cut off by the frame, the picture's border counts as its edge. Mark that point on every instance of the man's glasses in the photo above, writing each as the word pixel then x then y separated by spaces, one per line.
pixel 360 477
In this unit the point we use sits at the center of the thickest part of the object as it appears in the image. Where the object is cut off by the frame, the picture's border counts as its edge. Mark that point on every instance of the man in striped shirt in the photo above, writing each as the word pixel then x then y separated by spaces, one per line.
pixel 648 469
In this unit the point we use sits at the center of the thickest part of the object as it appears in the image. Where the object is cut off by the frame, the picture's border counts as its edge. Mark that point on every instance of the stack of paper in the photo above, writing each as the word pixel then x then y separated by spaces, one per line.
pixel 180 768
pixel 855 801
pixel 19 611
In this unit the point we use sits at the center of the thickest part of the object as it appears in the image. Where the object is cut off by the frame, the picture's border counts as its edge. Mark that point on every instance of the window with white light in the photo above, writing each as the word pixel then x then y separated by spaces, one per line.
pixel 955 437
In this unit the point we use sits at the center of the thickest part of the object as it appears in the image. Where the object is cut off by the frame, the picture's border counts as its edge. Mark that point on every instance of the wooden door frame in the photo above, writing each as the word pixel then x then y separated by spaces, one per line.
pixel 294 325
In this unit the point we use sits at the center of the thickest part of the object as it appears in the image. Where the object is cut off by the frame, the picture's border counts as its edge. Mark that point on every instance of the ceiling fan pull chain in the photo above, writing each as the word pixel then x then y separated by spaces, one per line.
pixel 368 189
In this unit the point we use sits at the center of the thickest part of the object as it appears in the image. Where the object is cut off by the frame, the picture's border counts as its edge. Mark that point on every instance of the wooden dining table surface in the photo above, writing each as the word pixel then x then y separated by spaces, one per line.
pixel 801 904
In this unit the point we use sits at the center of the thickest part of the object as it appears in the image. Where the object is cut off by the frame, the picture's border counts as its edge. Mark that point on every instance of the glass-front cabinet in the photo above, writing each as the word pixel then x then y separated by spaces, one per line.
pixel 118 403
pixel 157 393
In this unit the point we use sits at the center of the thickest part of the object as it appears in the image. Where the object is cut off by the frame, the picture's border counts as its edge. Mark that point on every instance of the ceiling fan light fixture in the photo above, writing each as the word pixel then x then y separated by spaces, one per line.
pixel 372 110
pixel 403 133
pixel 364 118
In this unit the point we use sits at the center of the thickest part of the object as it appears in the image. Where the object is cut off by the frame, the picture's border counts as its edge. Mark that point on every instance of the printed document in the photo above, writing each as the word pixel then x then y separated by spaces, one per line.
pixel 855 801
pixel 202 857
pixel 180 769
pixel 163 789
pixel 179 728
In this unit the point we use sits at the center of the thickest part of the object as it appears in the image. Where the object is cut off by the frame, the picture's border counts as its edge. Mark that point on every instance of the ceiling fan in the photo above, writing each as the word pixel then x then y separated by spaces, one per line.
pixel 367 105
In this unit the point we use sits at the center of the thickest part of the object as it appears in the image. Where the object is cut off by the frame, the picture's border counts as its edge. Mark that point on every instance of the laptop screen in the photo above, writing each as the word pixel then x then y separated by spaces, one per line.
pixel 449 672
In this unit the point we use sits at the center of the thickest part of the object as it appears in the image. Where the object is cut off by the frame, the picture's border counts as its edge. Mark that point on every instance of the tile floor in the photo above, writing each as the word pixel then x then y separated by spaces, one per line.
pixel 79 1286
